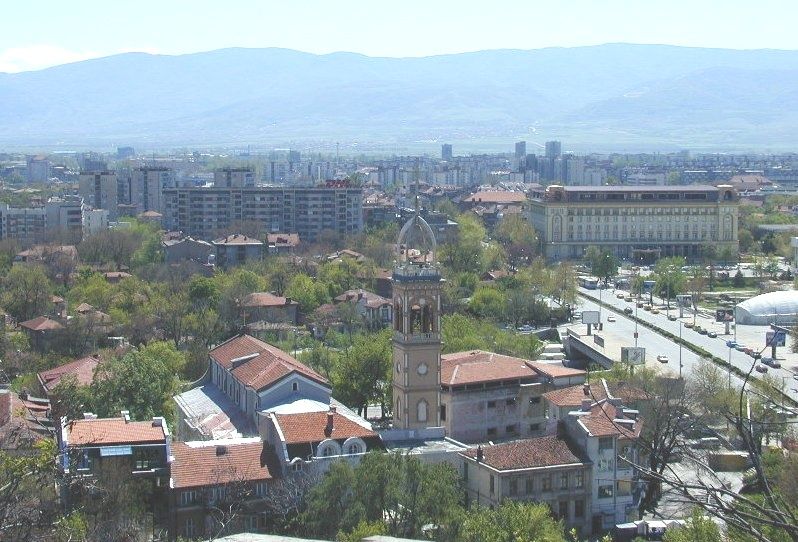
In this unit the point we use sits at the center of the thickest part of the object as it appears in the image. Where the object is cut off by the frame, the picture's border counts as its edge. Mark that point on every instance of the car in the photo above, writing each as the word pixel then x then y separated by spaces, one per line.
pixel 672 317
pixel 646 307
pixel 731 344
pixel 620 295
pixel 770 362
pixel 662 358
pixel 740 347
pixel 748 350
pixel 697 329
pixel 761 368
pixel 577 315
pixel 654 310
pixel 712 334
pixel 627 310
pixel 640 304
pixel 525 328
pixel 628 299
pixel 688 325
pixel 703 331
pixel 610 318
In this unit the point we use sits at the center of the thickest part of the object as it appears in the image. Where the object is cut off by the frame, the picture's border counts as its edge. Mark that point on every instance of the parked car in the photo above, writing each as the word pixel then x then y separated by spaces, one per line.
pixel 748 350
pixel 627 310
pixel 628 298
pixel 688 325
pixel 654 310
pixel 662 358
pixel 770 362
pixel 712 334
pixel 620 295
pixel 761 368
pixel 526 328
pixel 646 307
pixel 611 318
pixel 731 344
pixel 672 317
pixel 740 347
pixel 702 331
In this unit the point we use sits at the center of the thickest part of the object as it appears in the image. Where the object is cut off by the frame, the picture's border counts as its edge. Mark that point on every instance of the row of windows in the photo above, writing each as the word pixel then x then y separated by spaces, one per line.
pixel 531 485
pixel 632 211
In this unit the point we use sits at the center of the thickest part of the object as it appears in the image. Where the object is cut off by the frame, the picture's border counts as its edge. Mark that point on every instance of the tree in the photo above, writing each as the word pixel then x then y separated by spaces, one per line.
pixel 603 263
pixel 517 237
pixel 511 522
pixel 488 302
pixel 362 374
pixel 669 277
pixel 27 292
pixel 465 254
pixel 307 292
pixel 697 528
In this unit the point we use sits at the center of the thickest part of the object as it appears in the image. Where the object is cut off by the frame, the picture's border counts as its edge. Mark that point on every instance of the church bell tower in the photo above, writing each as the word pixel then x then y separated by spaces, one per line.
pixel 417 285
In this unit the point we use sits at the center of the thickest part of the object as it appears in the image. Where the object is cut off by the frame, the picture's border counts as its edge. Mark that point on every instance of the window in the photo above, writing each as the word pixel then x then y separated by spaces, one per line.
pixel 579 508
pixel 261 489
pixel 353 449
pixel 579 479
pixel 84 461
pixel 295 386
pixel 511 401
pixel 297 467
pixel 605 443
pixel 546 483
pixel 491 404
pixel 563 480
pixel 251 523
pixel 511 429
pixel 188 528
pixel 529 486
pixel 534 400
pixel 604 465
pixel 562 510
pixel 421 411
pixel 534 427
pixel 443 413
pixel 513 486
pixel 605 492
pixel 187 498
pixel 145 459
pixel 624 487
pixel 492 485
pixel 491 431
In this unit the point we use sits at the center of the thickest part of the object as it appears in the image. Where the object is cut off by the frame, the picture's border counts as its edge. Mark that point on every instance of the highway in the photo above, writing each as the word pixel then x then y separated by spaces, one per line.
pixel 657 344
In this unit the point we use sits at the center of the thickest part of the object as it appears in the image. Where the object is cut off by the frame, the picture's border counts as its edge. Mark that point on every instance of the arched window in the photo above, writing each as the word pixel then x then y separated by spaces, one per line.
pixel 354 445
pixel 421 411
pixel 398 408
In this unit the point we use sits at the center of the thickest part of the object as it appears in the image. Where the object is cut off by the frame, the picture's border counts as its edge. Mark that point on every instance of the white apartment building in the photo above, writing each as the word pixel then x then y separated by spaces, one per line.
pixel 640 223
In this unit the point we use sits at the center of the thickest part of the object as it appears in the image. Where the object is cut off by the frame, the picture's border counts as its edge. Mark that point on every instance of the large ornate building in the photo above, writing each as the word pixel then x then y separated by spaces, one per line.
pixel 640 223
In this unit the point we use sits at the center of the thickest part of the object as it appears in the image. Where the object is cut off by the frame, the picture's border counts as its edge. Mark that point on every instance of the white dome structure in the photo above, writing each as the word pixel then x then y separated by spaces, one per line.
pixel 771 308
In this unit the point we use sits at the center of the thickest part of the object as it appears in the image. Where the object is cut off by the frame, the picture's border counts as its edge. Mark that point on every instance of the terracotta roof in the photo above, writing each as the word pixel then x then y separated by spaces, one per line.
pixel 84 308
pixel 476 366
pixel 372 300
pixel 574 395
pixel 258 364
pixel 82 369
pixel 602 421
pixel 306 427
pixel 210 463
pixel 529 454
pixel 283 239
pixel 266 299
pixel 236 239
pixel 109 431
pixel 151 214
pixel 41 323
pixel 496 196
pixel 21 422
pixel 116 275
pixel 57 299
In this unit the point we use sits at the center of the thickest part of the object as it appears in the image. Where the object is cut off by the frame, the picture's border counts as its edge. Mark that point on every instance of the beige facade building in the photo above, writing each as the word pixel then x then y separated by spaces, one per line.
pixel 99 189
pixel 639 223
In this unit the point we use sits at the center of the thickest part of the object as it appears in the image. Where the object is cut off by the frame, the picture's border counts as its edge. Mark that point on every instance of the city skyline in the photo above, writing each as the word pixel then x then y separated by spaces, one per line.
pixel 97 29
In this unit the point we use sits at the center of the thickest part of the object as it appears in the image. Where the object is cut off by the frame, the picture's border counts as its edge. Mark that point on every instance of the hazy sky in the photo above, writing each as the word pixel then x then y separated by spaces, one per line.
pixel 41 33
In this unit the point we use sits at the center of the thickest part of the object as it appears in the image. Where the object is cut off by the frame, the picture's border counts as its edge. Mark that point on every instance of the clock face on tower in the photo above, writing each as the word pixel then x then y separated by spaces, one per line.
pixel 422 369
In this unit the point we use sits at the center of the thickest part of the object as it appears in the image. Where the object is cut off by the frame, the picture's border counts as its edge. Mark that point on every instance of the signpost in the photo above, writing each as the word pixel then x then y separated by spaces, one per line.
pixel 633 355
pixel 591 318
pixel 725 315
pixel 682 300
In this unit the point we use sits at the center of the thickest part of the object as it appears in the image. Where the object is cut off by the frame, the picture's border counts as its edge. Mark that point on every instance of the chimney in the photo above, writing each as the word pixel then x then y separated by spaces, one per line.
pixel 330 421
pixel 586 389
pixel 89 416
pixel 221 450
pixel 586 403
pixel 480 454
pixel 125 415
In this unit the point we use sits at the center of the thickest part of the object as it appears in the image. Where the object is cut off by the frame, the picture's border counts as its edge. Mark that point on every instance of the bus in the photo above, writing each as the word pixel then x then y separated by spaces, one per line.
pixel 589 283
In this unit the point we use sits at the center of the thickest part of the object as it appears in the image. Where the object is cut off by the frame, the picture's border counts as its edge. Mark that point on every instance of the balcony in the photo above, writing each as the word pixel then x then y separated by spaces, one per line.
pixel 416 337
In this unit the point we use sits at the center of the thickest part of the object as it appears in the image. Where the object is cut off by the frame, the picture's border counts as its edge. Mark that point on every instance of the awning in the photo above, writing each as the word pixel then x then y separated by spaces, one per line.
pixel 108 451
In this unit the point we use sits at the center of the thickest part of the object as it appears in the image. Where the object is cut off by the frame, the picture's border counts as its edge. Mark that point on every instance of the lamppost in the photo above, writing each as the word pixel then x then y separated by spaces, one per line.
pixel 681 325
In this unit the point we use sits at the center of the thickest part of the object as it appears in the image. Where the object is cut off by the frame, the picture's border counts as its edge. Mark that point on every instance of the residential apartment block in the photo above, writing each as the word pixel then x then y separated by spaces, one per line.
pixel 307 211
pixel 640 223
pixel 100 190
pixel 30 225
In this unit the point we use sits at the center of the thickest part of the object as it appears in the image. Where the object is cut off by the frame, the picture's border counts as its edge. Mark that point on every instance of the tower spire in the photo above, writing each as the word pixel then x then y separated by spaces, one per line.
pixel 416 202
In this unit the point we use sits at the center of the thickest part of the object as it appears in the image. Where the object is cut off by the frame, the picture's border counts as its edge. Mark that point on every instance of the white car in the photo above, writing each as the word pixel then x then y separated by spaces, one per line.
pixel 610 318
pixel 662 358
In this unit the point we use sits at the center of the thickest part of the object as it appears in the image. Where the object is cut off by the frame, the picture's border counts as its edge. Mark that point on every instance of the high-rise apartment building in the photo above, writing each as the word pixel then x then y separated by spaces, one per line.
pixel 100 190
pixel 308 211
pixel 553 149
pixel 38 169
pixel 446 152
pixel 237 177
pixel 147 185
pixel 520 151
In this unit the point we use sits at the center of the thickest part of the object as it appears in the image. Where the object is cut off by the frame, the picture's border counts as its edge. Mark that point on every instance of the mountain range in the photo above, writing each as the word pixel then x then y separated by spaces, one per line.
pixel 606 97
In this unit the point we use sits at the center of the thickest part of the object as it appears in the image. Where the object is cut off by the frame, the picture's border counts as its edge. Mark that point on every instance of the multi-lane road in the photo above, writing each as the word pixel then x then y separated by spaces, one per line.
pixel 657 344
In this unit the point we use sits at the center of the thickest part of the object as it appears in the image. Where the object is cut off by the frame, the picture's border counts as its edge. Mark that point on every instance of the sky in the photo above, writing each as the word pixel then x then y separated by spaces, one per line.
pixel 42 33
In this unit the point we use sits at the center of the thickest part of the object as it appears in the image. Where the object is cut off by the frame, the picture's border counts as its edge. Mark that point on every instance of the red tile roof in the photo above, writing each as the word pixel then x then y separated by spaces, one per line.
pixel 200 464
pixel 110 431
pixel 266 299
pixel 257 364
pixel 496 196
pixel 236 239
pixel 41 323
pixel 84 308
pixel 82 369
pixel 306 427
pixel 372 300
pixel 283 239
pixel 476 366
pixel 574 395
pixel 603 422
pixel 529 454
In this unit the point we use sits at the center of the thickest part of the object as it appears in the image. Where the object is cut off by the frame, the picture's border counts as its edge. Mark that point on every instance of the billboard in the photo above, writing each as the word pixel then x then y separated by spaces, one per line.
pixel 775 338
pixel 633 355
pixel 684 300
pixel 724 315
pixel 590 317
pixel 648 286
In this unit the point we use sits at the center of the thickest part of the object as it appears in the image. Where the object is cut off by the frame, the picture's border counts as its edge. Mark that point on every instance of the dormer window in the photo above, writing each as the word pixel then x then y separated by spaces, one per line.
pixel 295 386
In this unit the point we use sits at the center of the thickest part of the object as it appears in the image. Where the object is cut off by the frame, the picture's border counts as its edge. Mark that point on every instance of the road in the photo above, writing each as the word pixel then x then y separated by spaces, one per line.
pixel 657 344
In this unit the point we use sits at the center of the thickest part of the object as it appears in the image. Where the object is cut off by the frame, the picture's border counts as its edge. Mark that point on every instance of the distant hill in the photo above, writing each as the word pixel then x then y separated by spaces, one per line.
pixel 614 96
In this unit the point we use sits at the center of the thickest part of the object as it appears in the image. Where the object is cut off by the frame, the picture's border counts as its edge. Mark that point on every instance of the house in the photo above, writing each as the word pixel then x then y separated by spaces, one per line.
pixel 345 254
pixel 487 396
pixel 548 469
pixel 237 249
pixel 47 253
pixel 268 307
pixel 42 332
pixel 379 280
pixel 376 311
pixel 309 435
pixel 608 433
pixel 151 217
pixel 23 422
pixel 186 249
pixel 282 243
pixel 115 277
pixel 208 477
pixel 82 370
pixel 59 307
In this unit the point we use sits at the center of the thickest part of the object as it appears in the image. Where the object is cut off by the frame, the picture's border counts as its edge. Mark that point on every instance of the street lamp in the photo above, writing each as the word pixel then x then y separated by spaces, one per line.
pixel 681 325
